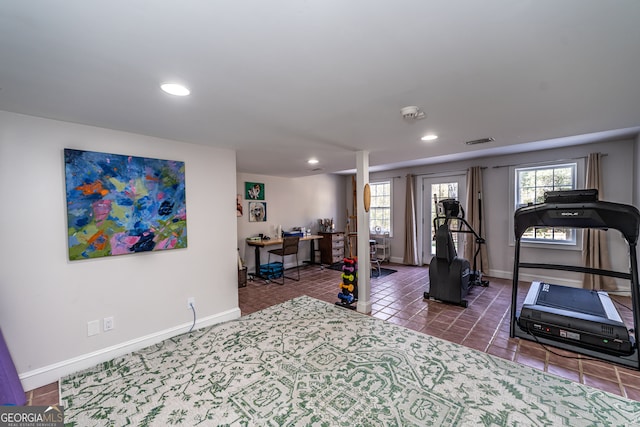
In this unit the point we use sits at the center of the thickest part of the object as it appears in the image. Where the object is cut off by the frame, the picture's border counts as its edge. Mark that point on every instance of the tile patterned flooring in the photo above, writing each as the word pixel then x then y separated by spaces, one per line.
pixel 398 298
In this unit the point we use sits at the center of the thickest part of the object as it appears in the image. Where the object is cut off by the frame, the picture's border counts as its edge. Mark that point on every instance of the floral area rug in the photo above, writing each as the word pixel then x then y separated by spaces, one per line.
pixel 309 363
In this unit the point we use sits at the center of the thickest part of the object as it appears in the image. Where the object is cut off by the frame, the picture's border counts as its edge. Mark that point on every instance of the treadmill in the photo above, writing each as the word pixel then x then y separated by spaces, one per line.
pixel 576 319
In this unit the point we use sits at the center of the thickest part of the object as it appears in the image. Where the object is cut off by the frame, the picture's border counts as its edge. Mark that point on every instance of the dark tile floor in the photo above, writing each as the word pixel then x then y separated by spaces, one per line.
pixel 483 325
pixel 398 298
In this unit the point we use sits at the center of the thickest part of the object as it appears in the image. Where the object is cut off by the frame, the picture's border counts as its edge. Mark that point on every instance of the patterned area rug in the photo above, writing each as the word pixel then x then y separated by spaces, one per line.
pixel 309 363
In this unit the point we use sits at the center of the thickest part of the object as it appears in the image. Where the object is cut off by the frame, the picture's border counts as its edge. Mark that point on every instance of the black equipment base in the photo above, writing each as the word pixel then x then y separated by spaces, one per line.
pixel 575 316
pixel 630 361
pixel 349 306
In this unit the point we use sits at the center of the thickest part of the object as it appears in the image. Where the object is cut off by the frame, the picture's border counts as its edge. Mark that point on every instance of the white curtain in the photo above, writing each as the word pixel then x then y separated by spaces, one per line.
pixel 411 229
pixel 595 250
pixel 473 217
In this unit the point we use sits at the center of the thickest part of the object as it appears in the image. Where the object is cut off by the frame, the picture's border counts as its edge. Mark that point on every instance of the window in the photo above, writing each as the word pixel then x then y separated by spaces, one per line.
pixel 380 211
pixel 531 185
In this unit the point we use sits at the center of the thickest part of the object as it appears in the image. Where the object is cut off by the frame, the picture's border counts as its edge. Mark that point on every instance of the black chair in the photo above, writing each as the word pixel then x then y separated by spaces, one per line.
pixel 448 274
pixel 289 247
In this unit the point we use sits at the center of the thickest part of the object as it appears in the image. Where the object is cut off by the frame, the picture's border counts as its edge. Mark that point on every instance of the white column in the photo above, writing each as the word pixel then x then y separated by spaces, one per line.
pixel 364 263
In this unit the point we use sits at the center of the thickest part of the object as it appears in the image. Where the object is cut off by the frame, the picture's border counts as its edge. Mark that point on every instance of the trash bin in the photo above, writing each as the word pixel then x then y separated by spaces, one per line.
pixel 242 277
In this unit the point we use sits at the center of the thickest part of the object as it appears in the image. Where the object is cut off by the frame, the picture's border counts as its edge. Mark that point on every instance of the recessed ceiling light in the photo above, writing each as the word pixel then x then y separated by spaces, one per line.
pixel 175 89
pixel 429 137
pixel 312 161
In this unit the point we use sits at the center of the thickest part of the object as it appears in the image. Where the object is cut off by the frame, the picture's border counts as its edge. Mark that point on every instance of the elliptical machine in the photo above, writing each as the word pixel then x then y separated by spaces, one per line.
pixel 451 277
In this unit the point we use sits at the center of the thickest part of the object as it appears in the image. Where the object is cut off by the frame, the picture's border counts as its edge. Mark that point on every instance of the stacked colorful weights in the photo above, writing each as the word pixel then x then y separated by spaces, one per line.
pixel 349 285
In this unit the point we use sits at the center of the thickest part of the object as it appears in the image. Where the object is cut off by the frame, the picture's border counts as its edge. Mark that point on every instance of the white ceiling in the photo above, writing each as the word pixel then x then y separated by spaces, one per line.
pixel 281 81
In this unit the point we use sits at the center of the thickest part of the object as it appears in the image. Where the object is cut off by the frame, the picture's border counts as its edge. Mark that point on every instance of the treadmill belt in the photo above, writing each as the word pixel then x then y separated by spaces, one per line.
pixel 570 299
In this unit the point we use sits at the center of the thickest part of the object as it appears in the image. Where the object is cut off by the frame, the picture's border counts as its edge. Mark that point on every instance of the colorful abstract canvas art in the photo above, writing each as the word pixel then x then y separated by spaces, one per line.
pixel 120 204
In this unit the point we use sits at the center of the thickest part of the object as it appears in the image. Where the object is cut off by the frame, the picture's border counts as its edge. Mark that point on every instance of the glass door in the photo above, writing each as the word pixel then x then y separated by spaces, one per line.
pixel 435 189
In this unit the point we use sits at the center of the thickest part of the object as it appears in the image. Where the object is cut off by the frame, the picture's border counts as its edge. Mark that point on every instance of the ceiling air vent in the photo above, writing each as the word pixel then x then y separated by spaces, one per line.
pixel 480 141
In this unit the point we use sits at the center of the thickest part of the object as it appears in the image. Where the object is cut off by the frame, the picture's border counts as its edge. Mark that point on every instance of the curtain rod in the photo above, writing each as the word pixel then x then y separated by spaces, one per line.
pixel 378 178
pixel 449 171
pixel 544 162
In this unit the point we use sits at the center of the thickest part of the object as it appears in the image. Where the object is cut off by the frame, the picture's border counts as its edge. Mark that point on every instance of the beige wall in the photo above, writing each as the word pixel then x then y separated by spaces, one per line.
pixel 619 170
pixel 46 300
pixel 291 202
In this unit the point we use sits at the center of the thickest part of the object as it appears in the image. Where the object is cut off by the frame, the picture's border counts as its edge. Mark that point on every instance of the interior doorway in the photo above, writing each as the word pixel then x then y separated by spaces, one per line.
pixel 436 188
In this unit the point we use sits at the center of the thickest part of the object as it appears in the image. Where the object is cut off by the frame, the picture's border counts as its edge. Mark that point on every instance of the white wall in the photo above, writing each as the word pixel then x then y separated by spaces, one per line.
pixel 617 165
pixel 46 300
pixel 619 171
pixel 636 172
pixel 291 202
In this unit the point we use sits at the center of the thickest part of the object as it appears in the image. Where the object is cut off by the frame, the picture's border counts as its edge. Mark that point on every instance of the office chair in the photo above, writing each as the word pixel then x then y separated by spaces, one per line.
pixel 289 247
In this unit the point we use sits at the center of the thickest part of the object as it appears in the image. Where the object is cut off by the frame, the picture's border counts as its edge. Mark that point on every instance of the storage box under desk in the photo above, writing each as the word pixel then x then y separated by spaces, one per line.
pixel 273 270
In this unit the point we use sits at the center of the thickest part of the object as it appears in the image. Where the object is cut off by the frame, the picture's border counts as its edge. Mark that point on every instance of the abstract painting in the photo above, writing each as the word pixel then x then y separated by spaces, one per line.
pixel 120 204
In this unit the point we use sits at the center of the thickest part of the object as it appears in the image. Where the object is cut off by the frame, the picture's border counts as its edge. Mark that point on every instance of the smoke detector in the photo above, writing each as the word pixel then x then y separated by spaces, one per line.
pixel 412 113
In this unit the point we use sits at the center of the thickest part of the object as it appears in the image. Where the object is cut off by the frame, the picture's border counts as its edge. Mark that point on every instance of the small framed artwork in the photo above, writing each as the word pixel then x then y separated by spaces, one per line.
pixel 257 211
pixel 254 191
pixel 238 204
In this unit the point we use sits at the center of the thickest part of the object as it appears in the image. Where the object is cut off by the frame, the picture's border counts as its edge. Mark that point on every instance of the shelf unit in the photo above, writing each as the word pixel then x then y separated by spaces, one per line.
pixel 331 247
pixel 383 246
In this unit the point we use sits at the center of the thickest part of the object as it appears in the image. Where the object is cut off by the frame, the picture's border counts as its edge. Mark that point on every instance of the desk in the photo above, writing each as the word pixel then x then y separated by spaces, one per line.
pixel 257 244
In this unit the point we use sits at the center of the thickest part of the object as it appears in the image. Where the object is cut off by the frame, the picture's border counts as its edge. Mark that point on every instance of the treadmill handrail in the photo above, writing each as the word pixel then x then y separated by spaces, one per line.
pixel 598 215
pixel 599 271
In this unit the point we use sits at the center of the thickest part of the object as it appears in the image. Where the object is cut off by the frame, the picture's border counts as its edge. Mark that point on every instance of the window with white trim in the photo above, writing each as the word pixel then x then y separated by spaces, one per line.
pixel 380 210
pixel 531 183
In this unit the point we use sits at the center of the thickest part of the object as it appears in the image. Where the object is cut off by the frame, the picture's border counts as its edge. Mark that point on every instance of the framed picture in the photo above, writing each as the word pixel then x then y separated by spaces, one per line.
pixel 120 204
pixel 253 191
pixel 238 204
pixel 257 211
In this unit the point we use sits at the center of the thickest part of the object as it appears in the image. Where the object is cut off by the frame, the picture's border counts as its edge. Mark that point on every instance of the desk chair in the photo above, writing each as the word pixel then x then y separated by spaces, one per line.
pixel 289 247
pixel 373 255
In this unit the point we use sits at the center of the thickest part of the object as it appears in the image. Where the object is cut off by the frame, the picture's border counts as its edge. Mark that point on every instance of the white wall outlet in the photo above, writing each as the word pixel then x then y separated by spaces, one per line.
pixel 93 327
pixel 107 323
pixel 191 301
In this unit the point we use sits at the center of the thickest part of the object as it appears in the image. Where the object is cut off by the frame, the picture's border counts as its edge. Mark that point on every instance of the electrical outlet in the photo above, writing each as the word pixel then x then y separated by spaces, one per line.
pixel 107 323
pixel 191 301
pixel 93 327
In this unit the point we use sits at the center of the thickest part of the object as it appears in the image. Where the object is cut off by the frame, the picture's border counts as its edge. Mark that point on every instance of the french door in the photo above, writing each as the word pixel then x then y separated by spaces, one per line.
pixel 435 188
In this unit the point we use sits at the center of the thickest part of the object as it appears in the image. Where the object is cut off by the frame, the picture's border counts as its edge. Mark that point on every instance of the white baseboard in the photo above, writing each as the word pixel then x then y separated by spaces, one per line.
pixel 524 277
pixel 52 373
pixel 499 274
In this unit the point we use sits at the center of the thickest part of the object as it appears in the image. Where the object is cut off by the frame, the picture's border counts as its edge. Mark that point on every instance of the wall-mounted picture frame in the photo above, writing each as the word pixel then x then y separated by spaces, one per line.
pixel 118 204
pixel 254 191
pixel 238 204
pixel 257 211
